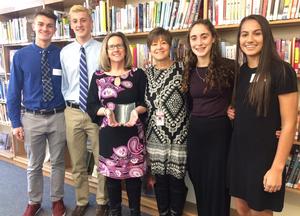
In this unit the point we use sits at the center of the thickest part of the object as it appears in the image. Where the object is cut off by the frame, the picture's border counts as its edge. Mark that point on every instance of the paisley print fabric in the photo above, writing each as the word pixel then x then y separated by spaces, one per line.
pixel 122 149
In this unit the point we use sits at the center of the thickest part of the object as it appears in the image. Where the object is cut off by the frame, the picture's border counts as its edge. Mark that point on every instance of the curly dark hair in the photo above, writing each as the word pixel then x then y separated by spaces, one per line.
pixel 220 71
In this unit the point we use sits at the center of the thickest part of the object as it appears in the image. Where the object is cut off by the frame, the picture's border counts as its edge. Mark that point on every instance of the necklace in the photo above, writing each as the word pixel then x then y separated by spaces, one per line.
pixel 117 78
pixel 200 77
pixel 117 81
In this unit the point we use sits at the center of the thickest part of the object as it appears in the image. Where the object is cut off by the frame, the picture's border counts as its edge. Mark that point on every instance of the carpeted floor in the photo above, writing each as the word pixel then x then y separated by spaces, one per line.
pixel 13 194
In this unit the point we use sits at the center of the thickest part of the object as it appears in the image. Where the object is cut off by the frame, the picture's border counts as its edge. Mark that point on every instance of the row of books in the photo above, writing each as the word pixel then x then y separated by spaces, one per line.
pixel 63 28
pixel 232 11
pixel 18 30
pixel 289 51
pixel 169 14
pixel 15 31
pixel 99 16
pixel 141 55
pixel 293 168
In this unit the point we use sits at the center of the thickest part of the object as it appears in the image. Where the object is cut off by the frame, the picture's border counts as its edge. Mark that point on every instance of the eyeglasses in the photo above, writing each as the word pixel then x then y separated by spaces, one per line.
pixel 118 46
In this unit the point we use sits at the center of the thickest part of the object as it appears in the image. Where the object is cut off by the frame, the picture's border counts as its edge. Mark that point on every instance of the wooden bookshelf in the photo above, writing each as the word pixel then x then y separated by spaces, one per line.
pixel 19 5
pixel 18 8
pixel 7 154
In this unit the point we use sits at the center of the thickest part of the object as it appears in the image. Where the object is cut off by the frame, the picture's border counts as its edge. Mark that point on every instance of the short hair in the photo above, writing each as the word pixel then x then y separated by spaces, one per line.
pixel 79 8
pixel 47 13
pixel 157 33
pixel 104 60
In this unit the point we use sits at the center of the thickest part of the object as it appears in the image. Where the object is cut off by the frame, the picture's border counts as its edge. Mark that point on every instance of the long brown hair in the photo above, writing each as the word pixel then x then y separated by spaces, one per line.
pixel 260 90
pixel 220 71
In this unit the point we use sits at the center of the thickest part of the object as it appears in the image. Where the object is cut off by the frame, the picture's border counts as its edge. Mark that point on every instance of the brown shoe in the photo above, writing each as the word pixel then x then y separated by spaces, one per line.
pixel 102 210
pixel 58 208
pixel 32 209
pixel 80 210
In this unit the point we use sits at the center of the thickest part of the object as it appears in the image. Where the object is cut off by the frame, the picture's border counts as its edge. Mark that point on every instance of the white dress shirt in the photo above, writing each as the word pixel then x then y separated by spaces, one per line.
pixel 69 58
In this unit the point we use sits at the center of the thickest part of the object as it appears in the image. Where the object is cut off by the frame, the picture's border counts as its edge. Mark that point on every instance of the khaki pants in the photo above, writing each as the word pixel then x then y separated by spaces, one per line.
pixel 79 129
pixel 38 130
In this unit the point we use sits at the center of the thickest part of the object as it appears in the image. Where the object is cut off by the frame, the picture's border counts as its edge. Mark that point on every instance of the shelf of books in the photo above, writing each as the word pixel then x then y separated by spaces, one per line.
pixel 136 18
pixel 293 170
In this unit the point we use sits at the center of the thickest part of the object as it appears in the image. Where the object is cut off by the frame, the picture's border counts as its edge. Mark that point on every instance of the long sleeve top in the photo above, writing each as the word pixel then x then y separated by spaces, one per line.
pixel 25 84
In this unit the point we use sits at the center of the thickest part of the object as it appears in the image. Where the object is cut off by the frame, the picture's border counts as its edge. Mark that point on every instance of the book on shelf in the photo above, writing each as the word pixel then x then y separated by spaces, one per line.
pixel 3 88
pixel 4 141
pixel 292 170
pixel 17 30
pixel 288 50
pixel 2 61
pixel 3 114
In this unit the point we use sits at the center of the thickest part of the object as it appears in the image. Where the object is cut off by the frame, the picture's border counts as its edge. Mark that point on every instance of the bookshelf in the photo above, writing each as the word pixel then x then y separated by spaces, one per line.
pixel 282 28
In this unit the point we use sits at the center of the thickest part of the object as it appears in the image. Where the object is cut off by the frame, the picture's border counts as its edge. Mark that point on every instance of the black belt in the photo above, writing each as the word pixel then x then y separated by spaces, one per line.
pixel 72 105
pixel 45 112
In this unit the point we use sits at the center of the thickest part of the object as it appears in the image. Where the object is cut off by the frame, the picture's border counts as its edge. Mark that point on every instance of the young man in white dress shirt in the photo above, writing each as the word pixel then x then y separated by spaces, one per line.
pixel 79 127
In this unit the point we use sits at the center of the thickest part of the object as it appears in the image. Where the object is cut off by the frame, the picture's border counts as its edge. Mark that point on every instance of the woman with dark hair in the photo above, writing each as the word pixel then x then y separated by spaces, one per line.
pixel 209 80
pixel 166 133
pixel 122 146
pixel 265 100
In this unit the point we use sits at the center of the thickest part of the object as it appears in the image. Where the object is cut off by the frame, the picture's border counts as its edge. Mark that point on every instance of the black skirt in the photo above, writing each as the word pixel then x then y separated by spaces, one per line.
pixel 208 146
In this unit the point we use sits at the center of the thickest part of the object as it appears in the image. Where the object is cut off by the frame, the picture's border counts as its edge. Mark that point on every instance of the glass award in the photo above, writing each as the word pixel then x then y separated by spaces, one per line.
pixel 122 112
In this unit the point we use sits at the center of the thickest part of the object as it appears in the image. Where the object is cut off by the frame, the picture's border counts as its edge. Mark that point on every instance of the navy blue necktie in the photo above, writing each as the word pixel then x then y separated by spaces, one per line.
pixel 83 80
pixel 46 78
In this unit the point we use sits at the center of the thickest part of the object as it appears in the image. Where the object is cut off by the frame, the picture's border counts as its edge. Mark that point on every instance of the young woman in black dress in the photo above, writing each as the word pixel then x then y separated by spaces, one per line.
pixel 209 79
pixel 265 100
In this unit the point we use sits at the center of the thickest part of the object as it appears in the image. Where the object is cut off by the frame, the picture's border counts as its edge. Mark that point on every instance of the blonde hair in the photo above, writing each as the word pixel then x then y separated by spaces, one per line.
pixel 104 60
pixel 79 8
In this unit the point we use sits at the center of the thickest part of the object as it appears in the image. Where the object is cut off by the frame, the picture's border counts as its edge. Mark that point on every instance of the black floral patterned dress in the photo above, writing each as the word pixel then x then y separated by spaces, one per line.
pixel 122 149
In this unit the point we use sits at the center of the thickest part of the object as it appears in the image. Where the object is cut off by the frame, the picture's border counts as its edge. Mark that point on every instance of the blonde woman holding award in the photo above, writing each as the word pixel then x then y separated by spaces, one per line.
pixel 115 101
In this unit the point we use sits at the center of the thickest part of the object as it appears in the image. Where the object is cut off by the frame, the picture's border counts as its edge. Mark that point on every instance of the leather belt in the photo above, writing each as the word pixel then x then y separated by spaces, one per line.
pixel 72 105
pixel 45 112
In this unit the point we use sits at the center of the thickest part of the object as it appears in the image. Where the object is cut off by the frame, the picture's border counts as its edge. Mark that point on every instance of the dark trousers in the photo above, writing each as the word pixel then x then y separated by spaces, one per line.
pixel 208 145
pixel 133 188
pixel 170 195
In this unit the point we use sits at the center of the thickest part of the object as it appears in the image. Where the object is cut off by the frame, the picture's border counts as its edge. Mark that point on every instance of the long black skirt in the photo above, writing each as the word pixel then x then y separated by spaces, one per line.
pixel 208 147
